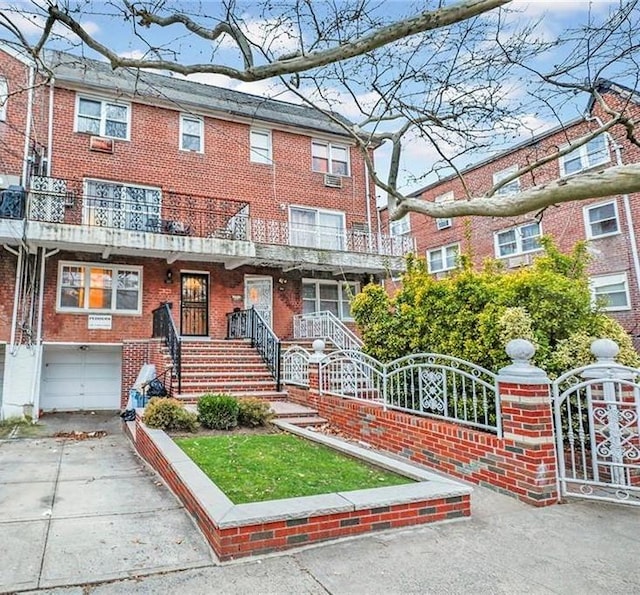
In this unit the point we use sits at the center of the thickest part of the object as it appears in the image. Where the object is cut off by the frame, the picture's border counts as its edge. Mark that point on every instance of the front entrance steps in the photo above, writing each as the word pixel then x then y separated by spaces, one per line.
pixel 225 366
pixel 298 415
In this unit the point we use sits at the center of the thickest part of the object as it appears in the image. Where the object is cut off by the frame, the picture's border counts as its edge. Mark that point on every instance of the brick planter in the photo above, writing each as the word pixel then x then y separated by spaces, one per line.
pixel 262 527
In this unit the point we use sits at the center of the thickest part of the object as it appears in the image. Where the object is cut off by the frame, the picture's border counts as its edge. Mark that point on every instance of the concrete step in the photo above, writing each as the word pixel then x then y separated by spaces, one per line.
pixel 233 387
pixel 289 409
pixel 306 421
pixel 264 395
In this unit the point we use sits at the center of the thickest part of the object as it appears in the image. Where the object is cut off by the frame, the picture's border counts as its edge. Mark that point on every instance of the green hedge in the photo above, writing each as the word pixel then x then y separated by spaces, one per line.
pixel 472 314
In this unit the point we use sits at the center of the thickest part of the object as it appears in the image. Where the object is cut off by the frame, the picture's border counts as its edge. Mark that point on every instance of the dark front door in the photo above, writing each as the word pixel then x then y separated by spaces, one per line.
pixel 194 305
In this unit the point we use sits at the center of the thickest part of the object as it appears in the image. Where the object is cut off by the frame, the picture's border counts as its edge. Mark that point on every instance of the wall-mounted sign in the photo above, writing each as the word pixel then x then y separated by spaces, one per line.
pixel 99 322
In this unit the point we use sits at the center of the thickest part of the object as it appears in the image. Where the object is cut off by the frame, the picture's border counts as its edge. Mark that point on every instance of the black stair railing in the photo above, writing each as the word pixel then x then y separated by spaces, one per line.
pixel 165 328
pixel 248 324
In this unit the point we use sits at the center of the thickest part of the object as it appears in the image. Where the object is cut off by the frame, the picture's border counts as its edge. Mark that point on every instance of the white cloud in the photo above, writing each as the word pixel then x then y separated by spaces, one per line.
pixel 30 22
pixel 536 8
pixel 275 36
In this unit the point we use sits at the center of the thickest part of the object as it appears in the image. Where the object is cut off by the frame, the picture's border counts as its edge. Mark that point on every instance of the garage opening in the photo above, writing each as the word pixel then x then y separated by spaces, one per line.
pixel 81 377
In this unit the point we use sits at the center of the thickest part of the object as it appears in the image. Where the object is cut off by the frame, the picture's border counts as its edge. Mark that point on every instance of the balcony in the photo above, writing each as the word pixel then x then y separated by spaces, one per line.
pixel 115 218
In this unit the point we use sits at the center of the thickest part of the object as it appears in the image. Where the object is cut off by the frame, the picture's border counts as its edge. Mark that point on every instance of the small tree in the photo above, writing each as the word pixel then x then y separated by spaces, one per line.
pixel 473 314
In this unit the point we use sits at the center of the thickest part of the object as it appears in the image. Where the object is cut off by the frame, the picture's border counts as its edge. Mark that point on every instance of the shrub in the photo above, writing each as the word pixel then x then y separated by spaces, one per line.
pixel 218 412
pixel 472 314
pixel 253 412
pixel 169 414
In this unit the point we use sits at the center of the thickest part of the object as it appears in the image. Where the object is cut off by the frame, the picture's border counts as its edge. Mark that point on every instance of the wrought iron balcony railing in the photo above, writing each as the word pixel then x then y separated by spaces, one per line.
pixel 120 206
pixel 114 205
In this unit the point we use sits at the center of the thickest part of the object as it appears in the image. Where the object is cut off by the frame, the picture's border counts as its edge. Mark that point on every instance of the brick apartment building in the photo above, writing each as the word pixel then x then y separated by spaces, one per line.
pixel 125 191
pixel 608 224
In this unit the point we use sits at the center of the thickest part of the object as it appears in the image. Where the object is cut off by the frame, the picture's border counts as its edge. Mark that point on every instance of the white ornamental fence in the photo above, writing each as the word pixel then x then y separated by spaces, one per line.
pixel 425 384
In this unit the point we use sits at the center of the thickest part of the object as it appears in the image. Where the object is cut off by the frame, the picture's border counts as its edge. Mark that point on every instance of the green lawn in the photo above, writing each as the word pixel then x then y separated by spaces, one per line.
pixel 253 468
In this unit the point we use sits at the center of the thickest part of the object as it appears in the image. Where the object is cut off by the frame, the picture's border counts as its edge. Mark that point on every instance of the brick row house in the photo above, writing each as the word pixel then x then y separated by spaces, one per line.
pixel 609 225
pixel 129 194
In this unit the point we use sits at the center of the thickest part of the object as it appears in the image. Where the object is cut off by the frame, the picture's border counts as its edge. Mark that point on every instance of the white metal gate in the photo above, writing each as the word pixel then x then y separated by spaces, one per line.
pixel 597 424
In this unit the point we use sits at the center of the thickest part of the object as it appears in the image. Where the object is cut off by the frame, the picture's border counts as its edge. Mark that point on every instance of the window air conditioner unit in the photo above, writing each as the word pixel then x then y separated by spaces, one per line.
pixel 519 261
pixel 332 181
pixel 443 223
pixel 101 145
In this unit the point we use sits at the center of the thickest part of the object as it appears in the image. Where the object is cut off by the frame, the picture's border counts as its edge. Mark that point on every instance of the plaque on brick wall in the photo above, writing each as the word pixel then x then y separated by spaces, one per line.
pixel 99 322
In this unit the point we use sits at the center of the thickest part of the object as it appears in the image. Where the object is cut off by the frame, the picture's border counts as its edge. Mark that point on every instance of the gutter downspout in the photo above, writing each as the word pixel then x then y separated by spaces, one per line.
pixel 35 384
pixel 27 128
pixel 17 292
pixel 367 191
pixel 50 128
pixel 627 207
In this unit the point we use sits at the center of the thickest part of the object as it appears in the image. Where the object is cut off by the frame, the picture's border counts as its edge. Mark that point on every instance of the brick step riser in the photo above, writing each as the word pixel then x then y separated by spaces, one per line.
pixel 225 368
pixel 192 399
pixel 224 365
pixel 221 361
pixel 225 387
pixel 190 380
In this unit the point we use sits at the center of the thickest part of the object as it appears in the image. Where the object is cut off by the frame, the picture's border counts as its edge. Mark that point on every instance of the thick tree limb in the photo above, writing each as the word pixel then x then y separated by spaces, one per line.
pixel 428 20
pixel 623 179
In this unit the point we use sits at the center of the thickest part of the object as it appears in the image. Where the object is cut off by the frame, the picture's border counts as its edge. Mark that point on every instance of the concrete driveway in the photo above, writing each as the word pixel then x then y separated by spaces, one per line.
pixel 75 511
pixel 90 516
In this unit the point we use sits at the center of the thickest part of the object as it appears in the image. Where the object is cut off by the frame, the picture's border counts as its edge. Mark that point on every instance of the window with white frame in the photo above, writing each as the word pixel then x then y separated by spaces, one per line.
pixel 191 133
pixel 316 228
pixel 518 240
pixel 443 259
pixel 444 223
pixel 611 292
pixel 593 153
pixel 601 220
pixel 400 227
pixel 4 96
pixel 330 158
pixel 260 146
pixel 99 288
pixel 121 206
pixel 332 296
pixel 102 117
pixel 509 188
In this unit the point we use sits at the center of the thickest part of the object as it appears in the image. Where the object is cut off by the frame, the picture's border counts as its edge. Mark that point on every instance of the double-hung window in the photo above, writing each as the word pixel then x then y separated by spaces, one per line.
pixel 94 288
pixel 611 292
pixel 443 259
pixel 260 146
pixel 601 220
pixel 509 188
pixel 191 133
pixel 4 96
pixel 330 158
pixel 595 152
pixel 104 118
pixel 519 240
pixel 332 296
pixel 316 228
pixel 400 227
pixel 444 223
pixel 121 206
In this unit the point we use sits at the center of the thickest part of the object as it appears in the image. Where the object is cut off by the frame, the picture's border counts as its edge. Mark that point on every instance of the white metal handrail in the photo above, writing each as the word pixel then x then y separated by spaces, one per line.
pixel 325 325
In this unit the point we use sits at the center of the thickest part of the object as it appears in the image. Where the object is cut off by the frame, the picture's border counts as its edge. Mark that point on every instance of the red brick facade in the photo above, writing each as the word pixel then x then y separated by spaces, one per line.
pixel 565 223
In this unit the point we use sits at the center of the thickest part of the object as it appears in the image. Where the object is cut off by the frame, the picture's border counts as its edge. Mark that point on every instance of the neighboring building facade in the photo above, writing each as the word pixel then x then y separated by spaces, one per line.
pixel 124 191
pixel 608 224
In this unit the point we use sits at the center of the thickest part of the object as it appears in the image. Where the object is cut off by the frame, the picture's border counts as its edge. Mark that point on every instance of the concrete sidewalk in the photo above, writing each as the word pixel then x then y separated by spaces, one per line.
pixel 76 511
pixel 111 520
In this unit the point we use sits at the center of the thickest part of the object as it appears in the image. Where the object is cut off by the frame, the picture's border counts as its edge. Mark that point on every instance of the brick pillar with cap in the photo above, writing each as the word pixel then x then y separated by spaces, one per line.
pixel 527 424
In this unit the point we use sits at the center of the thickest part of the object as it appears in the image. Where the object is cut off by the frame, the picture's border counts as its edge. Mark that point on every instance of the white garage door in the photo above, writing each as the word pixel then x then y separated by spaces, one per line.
pixel 74 378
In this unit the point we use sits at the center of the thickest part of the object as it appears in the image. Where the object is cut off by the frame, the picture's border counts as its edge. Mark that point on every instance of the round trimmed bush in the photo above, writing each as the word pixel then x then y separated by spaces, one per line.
pixel 218 412
pixel 169 415
pixel 254 412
